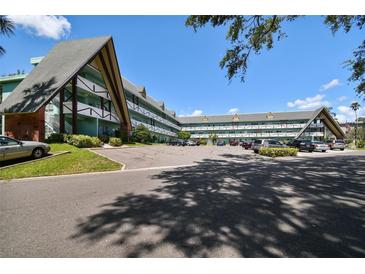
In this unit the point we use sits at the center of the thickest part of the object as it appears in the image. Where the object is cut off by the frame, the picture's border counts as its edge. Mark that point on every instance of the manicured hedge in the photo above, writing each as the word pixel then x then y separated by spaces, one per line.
pixel 203 142
pixel 115 142
pixel 82 140
pixel 278 152
pixel 55 138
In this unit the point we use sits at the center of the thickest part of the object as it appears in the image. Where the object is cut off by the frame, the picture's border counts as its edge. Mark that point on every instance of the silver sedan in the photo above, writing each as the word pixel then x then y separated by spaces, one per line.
pixel 12 149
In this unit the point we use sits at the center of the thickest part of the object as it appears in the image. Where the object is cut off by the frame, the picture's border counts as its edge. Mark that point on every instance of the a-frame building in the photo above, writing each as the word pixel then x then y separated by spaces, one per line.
pixel 76 88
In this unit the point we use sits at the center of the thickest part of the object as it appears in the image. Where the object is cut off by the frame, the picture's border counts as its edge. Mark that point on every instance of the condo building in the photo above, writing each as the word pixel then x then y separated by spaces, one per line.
pixel 77 88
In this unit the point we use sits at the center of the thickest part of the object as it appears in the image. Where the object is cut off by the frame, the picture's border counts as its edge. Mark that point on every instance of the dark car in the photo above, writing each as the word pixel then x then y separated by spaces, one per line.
pixel 233 143
pixel 181 143
pixel 303 145
pixel 247 145
pixel 172 143
pixel 221 143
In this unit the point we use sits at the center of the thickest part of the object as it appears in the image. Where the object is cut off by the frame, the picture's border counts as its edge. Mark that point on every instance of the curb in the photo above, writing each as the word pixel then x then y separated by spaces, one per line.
pixel 36 160
pixel 123 165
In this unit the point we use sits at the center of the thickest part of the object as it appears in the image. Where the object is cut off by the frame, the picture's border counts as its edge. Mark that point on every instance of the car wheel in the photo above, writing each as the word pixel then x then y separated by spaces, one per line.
pixel 342 148
pixel 38 153
pixel 323 151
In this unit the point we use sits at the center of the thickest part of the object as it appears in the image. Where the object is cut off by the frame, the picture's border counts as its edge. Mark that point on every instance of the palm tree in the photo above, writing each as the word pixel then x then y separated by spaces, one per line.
pixel 355 107
pixel 6 28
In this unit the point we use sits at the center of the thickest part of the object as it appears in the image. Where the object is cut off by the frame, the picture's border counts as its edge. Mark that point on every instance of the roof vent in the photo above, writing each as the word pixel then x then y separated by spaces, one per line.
pixel 269 116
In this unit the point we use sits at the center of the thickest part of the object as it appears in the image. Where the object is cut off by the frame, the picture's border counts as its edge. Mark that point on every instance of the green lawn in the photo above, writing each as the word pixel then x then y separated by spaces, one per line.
pixel 78 161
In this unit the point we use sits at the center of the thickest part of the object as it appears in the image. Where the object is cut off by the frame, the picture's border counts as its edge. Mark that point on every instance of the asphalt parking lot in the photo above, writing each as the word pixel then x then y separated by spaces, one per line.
pixel 192 202
pixel 163 156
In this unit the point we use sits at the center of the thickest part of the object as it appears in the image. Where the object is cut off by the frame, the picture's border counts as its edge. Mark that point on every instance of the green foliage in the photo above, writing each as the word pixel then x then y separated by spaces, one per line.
pixel 77 161
pixel 203 141
pixel 104 138
pixel 7 28
pixel 115 142
pixel 185 135
pixel 141 134
pixel 213 137
pixel 252 34
pixel 278 152
pixel 82 141
pixel 361 144
pixel 55 138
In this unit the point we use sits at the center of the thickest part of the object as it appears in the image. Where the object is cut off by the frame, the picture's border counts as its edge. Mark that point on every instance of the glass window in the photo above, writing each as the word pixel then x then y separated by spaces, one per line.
pixel 4 141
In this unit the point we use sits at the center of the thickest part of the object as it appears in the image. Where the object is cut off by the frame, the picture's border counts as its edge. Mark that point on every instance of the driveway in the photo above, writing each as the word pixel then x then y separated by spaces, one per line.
pixel 221 202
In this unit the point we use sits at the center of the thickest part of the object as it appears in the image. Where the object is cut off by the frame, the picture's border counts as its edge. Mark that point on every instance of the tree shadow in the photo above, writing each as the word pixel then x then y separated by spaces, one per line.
pixel 33 96
pixel 260 208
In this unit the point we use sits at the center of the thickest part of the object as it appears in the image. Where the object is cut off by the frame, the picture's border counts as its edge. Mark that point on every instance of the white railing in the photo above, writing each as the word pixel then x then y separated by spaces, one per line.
pixel 240 127
pixel 91 111
pixel 150 114
pixel 91 87
pixel 153 128
pixel 247 135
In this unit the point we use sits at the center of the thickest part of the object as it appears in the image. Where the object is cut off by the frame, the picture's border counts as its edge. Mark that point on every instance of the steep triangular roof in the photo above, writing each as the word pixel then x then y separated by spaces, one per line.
pixel 60 65
pixel 331 123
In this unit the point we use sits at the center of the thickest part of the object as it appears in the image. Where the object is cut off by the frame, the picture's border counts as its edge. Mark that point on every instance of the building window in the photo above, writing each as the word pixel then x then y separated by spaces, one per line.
pixel 1 93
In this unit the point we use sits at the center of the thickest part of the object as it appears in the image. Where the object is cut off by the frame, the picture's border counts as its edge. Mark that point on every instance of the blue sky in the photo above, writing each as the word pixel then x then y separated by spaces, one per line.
pixel 176 65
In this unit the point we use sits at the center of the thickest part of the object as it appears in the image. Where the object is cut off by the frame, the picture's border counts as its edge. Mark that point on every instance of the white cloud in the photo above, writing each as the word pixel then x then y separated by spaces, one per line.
pixel 51 26
pixel 346 114
pixel 309 102
pixel 342 98
pixel 331 84
pixel 197 112
pixel 233 111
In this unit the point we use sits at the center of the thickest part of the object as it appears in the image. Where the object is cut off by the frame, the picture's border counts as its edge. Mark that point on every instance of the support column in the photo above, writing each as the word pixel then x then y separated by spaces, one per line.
pixel 74 106
pixel 62 116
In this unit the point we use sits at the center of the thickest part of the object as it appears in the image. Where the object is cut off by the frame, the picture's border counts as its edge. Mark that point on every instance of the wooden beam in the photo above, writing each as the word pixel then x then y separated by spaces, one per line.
pixel 62 115
pixel 74 105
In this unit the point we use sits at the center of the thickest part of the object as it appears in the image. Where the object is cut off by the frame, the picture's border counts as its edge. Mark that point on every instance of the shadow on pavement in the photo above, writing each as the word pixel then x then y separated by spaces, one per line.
pixel 236 207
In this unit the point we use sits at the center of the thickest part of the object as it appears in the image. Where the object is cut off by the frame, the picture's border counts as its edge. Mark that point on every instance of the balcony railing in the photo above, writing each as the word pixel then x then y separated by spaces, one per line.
pixel 248 135
pixel 91 111
pixel 150 114
pixel 153 128
pixel 91 87
pixel 240 127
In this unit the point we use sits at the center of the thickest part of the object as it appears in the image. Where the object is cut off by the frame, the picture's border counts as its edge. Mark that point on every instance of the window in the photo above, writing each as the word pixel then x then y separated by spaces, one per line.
pixel 4 141
pixel 1 93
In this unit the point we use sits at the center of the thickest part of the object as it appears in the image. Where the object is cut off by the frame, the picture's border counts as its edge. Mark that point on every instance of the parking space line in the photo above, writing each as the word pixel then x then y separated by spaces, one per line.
pixel 157 167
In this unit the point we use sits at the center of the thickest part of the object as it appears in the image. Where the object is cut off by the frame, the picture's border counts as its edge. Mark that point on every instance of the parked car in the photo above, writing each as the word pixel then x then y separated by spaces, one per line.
pixel 172 143
pixel 191 143
pixel 302 145
pixel 320 146
pixel 266 143
pixel 181 143
pixel 336 144
pixel 13 149
pixel 247 145
pixel 233 143
pixel 221 143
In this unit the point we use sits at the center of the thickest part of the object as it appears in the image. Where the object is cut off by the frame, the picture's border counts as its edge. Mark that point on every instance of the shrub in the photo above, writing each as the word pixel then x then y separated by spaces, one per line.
pixel 55 138
pixel 141 134
pixel 185 135
pixel 203 141
pixel 104 138
pixel 115 142
pixel 361 144
pixel 278 152
pixel 82 140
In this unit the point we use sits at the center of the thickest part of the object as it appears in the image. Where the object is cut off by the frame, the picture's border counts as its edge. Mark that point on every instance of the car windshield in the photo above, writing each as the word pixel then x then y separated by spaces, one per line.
pixel 258 142
pixel 318 143
pixel 339 141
